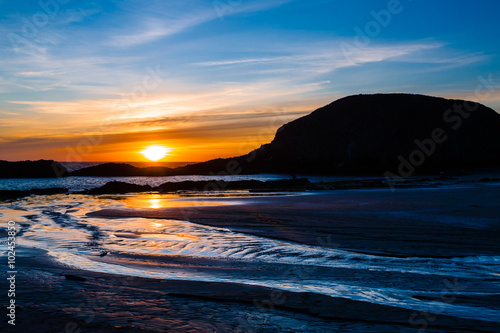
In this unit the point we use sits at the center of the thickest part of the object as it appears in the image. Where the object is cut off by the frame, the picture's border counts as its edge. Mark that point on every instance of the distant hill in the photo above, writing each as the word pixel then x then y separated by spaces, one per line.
pixel 376 133
pixel 32 169
pixel 122 170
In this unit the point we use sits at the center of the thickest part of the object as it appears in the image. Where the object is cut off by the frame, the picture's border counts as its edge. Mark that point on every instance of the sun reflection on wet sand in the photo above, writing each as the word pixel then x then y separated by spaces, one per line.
pixel 155 203
pixel 158 201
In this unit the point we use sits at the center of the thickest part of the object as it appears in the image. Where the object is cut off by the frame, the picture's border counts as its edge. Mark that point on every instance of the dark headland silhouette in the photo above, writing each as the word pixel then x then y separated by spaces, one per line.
pixel 373 134
pixel 361 133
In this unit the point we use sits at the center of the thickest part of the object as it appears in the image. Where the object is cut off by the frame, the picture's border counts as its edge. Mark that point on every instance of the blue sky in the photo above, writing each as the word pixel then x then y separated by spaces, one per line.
pixel 207 75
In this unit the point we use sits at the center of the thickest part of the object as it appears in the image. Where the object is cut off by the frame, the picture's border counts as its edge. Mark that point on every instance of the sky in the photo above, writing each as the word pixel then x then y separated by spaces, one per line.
pixel 103 80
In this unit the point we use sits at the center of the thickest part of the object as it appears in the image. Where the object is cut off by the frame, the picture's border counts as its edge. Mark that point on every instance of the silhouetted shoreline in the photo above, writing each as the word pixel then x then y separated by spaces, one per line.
pixel 283 185
pixel 397 135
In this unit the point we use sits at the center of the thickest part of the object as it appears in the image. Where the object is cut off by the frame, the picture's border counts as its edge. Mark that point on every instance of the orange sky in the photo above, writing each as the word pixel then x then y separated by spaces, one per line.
pixel 81 131
pixel 107 131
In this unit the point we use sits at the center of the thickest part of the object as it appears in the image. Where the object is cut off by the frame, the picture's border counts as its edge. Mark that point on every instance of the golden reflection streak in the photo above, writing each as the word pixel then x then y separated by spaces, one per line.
pixel 157 201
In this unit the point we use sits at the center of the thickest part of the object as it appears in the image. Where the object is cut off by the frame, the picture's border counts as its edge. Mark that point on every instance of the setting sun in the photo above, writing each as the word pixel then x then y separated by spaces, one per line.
pixel 155 153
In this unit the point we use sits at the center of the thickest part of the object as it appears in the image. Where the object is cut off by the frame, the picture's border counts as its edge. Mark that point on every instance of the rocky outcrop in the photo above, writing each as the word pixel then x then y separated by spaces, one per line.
pixel 376 133
pixel 252 185
pixel 15 194
pixel 32 169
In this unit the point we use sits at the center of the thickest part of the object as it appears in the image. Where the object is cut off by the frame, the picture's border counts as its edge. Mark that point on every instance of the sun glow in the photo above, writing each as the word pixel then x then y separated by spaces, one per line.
pixel 155 153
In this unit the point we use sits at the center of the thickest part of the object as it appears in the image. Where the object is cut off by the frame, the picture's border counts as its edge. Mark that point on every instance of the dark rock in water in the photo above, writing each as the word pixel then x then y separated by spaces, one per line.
pixel 276 185
pixel 120 188
pixel 444 177
pixel 32 169
pixel 355 184
pixel 122 170
pixel 14 194
pixel 212 185
pixel 74 278
pixel 375 133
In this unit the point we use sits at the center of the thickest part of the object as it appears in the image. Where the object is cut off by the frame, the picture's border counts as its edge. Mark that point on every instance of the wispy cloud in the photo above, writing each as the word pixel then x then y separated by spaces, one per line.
pixel 239 61
pixel 37 74
pixel 156 28
pixel 326 58
pixel 220 70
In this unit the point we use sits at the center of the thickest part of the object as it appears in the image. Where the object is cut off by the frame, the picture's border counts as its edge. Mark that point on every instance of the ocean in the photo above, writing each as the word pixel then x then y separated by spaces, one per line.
pixel 75 184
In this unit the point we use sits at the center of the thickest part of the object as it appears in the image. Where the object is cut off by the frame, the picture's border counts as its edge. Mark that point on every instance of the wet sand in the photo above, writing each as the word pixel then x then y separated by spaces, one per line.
pixel 445 222
pixel 55 298
pixel 430 223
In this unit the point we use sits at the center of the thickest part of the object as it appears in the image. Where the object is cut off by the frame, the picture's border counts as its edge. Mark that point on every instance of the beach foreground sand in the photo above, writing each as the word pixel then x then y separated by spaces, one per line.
pixel 57 298
pixel 427 223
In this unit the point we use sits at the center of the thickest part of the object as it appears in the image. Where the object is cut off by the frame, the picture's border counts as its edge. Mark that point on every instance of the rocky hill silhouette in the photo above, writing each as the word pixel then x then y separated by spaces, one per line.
pixel 398 133
pixel 32 169
pixel 376 133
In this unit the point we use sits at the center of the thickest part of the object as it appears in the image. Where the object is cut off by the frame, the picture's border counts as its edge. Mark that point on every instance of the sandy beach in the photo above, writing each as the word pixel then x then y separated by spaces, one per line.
pixel 383 232
pixel 427 222
pixel 58 298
